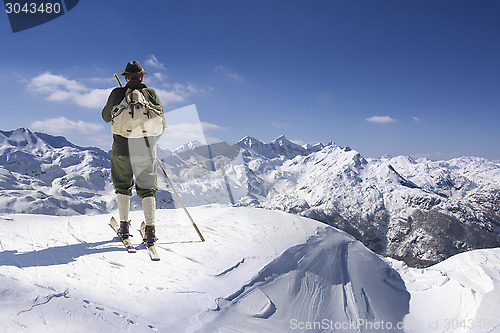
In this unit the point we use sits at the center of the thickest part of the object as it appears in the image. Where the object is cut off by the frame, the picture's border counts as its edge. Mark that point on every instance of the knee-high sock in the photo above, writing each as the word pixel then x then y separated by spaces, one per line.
pixel 149 209
pixel 123 206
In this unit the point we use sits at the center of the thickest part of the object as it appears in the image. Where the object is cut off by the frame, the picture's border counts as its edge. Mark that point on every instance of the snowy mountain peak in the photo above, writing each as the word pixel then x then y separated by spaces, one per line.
pixel 315 147
pixel 21 138
pixel 24 138
pixel 188 146
pixel 280 148
pixel 250 142
pixel 283 146
pixel 281 140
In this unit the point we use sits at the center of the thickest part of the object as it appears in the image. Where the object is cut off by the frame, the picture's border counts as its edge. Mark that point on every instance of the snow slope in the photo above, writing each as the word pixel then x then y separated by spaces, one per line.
pixel 460 294
pixel 257 271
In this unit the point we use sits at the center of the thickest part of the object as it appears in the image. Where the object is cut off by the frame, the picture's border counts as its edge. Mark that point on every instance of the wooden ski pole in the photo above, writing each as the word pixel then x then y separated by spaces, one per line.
pixel 118 79
pixel 180 201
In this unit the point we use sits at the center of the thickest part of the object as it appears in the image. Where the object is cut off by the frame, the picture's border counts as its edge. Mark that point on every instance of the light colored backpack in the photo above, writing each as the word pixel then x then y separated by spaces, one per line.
pixel 136 116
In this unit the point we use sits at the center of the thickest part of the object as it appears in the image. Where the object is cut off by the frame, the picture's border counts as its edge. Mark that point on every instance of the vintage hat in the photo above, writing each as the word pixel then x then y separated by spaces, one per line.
pixel 133 68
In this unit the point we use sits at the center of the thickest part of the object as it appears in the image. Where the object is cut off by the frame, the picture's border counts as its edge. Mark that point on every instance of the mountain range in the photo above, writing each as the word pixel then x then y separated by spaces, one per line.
pixel 419 211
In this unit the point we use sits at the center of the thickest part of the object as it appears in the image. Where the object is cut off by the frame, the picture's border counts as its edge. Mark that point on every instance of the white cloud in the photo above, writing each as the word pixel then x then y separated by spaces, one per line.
pixel 235 76
pixel 178 92
pixel 154 62
pixel 416 119
pixel 381 120
pixel 48 82
pixel 183 126
pixel 178 134
pixel 159 76
pixel 169 97
pixel 184 89
pixel 100 80
pixel 95 98
pixel 62 125
pixel 57 88
pixel 211 127
pixel 229 74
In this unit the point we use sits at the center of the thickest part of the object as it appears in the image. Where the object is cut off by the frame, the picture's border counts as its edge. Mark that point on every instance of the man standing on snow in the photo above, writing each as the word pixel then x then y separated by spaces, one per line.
pixel 133 155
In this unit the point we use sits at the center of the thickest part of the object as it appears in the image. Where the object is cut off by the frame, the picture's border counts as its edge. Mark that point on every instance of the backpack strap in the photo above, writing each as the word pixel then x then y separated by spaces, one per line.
pixel 118 109
pixel 150 105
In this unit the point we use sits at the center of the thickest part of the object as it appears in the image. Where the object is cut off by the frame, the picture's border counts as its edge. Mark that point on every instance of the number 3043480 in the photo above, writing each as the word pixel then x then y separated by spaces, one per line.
pixel 32 8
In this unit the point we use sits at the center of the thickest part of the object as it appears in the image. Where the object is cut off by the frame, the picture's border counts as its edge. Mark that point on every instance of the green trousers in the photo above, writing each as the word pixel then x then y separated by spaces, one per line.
pixel 124 169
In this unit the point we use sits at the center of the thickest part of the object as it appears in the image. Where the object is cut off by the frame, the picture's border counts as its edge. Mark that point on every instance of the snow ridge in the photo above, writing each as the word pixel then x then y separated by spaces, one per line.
pixel 313 288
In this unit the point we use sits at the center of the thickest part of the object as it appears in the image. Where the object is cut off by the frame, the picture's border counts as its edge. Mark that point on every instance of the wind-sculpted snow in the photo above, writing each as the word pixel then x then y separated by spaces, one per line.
pixel 331 280
pixel 470 281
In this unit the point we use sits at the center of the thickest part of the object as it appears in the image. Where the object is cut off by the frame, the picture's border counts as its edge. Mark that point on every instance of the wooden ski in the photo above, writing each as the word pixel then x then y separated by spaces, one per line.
pixel 153 254
pixel 126 241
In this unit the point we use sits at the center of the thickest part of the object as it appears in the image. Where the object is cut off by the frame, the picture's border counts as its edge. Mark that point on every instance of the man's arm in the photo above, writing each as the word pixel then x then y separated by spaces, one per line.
pixel 114 98
pixel 153 97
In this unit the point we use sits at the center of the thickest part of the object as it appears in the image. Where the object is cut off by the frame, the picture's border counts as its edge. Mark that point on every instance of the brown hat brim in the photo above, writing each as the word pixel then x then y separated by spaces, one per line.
pixel 138 73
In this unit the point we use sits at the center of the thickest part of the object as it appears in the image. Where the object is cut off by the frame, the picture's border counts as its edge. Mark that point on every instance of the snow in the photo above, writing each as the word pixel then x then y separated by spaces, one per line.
pixel 188 146
pixel 63 272
pixel 258 271
pixel 417 210
pixel 460 294
pixel 421 211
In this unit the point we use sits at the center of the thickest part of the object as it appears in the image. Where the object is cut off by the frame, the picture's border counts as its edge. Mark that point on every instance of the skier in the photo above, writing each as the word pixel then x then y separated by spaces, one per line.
pixel 134 156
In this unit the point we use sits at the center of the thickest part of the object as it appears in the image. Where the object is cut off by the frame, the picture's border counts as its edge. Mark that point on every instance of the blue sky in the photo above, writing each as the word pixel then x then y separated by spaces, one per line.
pixel 417 78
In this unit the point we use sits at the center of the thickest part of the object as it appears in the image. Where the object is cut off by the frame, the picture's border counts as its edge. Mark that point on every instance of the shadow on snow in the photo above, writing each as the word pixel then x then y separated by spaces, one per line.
pixel 58 255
